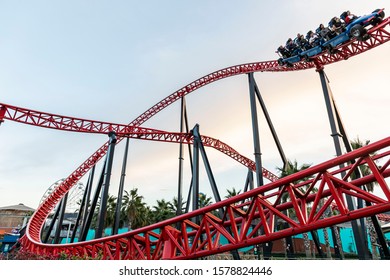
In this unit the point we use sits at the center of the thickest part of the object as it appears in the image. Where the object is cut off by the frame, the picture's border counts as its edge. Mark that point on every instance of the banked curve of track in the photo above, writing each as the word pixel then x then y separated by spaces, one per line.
pixel 74 124
pixel 378 36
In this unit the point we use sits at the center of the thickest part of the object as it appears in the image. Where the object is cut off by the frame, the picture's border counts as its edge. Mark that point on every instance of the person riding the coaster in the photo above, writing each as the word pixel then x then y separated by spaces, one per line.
pixel 336 26
pixel 313 39
pixel 323 32
pixel 347 17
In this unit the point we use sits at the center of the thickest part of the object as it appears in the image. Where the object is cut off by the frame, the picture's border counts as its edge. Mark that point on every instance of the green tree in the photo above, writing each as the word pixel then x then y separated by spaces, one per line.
pixel 162 211
pixel 204 200
pixel 290 168
pixel 364 169
pixel 110 212
pixel 231 193
pixel 135 209
pixel 293 167
pixel 175 205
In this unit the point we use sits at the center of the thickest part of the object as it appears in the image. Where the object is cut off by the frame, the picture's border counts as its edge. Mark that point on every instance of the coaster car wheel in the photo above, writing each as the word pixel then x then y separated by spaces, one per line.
pixel 358 32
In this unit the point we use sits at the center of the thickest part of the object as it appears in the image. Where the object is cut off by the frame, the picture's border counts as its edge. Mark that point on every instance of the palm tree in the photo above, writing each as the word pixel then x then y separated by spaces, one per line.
pixel 175 206
pixel 136 211
pixel 162 211
pixel 356 144
pixel 231 193
pixel 110 212
pixel 291 167
pixel 204 200
pixel 365 170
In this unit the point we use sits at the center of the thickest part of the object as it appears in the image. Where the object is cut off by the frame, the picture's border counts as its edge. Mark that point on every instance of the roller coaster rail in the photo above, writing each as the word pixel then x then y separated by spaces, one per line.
pixel 200 232
pixel 73 124
pixel 204 237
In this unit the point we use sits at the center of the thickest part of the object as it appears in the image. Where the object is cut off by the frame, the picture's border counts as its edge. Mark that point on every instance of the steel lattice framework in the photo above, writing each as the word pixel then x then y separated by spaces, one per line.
pixel 53 121
pixel 249 218
pixel 200 232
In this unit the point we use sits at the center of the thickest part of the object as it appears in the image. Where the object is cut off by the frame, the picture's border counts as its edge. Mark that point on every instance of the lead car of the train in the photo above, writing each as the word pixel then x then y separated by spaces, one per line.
pixel 356 29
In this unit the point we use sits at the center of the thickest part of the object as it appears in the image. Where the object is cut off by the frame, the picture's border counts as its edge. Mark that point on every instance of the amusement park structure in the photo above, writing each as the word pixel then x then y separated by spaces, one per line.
pixel 248 219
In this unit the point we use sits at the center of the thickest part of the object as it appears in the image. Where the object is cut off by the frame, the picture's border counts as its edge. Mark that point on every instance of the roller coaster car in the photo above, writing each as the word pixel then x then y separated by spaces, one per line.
pixel 356 29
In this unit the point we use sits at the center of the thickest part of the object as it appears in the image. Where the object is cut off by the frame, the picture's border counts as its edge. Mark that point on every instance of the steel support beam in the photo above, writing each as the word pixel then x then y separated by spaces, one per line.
pixel 87 199
pixel 214 188
pixel 83 205
pixel 195 177
pixel 95 199
pixel 255 130
pixel 181 159
pixel 106 185
pixel 357 227
pixel 206 162
pixel 249 181
pixel 199 149
pixel 118 207
pixel 60 220
pixel 338 250
pixel 270 125
pixel 256 140
pixel 375 221
pixel 52 222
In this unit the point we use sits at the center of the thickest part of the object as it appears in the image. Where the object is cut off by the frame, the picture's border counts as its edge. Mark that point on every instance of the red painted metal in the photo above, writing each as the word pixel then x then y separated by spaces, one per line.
pixel 234 230
pixel 2 113
pixel 54 121
pixel 186 242
pixel 377 36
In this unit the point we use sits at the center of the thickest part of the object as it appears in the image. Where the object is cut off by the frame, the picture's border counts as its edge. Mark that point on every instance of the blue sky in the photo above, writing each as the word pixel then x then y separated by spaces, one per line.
pixel 112 60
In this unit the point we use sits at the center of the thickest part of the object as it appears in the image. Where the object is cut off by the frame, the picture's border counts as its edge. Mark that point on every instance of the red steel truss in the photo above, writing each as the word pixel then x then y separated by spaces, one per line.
pixel 194 240
pixel 249 218
pixel 378 36
pixel 48 120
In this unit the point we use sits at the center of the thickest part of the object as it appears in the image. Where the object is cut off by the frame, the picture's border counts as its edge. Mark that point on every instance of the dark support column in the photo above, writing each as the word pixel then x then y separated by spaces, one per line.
pixel 348 148
pixel 249 181
pixel 106 185
pixel 80 213
pixel 268 246
pixel 317 243
pixel 375 221
pixel 289 243
pixel 270 124
pixel 185 118
pixel 87 199
pixel 94 201
pixel 195 177
pixel 337 249
pixel 206 162
pixel 359 235
pixel 120 190
pixel 53 220
pixel 255 129
pixel 217 197
pixel 256 141
pixel 189 195
pixel 181 159
pixel 60 219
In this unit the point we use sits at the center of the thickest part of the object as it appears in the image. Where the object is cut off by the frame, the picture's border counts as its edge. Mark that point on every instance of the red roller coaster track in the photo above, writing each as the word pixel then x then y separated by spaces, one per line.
pixel 202 232
pixel 47 120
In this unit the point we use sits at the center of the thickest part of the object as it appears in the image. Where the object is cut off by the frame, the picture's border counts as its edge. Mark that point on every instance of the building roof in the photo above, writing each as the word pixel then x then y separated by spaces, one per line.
pixel 19 207
pixel 385 217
